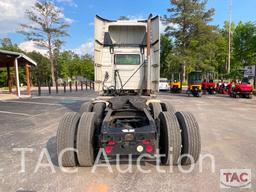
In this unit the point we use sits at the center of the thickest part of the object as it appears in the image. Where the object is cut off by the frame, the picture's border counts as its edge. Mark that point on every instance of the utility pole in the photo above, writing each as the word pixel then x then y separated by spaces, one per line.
pixel 229 35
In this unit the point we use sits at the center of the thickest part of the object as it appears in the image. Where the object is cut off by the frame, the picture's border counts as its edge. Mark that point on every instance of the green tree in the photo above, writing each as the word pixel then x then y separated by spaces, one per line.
pixel 87 67
pixel 41 72
pixel 244 42
pixel 48 28
pixel 71 65
pixel 7 44
pixel 188 25
pixel 166 48
pixel 64 61
pixel 221 53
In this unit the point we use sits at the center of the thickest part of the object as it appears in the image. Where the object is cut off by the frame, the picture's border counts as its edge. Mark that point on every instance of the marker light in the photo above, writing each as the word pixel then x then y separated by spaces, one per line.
pixel 111 142
pixel 149 148
pixel 108 149
pixel 140 148
pixel 146 142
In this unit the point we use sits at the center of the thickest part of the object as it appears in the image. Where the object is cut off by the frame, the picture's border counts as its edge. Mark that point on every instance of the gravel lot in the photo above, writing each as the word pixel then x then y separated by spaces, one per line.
pixel 228 133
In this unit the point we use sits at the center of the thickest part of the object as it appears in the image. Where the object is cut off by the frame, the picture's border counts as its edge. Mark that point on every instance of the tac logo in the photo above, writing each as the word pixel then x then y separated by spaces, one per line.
pixel 235 178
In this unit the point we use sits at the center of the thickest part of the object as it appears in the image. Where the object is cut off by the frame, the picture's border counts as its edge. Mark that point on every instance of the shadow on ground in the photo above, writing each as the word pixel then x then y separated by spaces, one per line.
pixel 52 150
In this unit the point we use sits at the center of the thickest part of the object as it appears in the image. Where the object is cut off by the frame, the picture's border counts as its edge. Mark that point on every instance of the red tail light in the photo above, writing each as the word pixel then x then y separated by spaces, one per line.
pixel 149 148
pixel 146 142
pixel 111 142
pixel 108 149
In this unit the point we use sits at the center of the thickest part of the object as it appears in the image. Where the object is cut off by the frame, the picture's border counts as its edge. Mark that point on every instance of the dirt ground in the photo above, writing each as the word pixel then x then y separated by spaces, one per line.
pixel 228 133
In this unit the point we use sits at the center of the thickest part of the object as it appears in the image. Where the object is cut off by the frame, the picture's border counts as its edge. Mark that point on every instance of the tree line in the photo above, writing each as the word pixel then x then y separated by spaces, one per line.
pixel 47 29
pixel 68 67
pixel 191 42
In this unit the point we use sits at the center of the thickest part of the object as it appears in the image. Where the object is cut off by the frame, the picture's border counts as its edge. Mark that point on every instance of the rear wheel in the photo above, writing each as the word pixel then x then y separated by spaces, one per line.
pixel 86 107
pixel 99 109
pixel 170 138
pixel 156 109
pixel 66 139
pixel 85 140
pixel 191 143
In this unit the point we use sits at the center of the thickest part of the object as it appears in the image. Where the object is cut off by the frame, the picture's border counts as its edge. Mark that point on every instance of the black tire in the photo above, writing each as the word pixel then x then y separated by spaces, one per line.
pixel 170 138
pixel 156 109
pixel 86 107
pixel 167 106
pixel 66 138
pixel 99 109
pixel 85 140
pixel 191 142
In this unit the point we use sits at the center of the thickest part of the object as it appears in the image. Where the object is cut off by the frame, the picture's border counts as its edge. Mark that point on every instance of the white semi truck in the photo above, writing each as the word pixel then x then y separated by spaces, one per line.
pixel 125 121
pixel 127 55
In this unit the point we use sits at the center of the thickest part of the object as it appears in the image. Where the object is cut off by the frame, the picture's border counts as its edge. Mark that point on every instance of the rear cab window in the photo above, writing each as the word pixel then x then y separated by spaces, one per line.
pixel 127 59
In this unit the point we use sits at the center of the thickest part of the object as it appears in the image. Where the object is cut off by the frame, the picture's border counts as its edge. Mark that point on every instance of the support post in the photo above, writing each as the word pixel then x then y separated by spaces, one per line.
pixel 9 78
pixel 17 77
pixel 57 87
pixel 70 86
pixel 65 84
pixel 28 79
pixel 49 86
pixel 39 86
pixel 82 88
pixel 254 83
pixel 76 86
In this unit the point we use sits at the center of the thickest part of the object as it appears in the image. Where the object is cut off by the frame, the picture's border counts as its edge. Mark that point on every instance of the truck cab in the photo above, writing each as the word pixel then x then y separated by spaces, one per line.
pixel 122 62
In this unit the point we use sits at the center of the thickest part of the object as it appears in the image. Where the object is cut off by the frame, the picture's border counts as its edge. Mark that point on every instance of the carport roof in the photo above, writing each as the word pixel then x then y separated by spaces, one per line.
pixel 8 57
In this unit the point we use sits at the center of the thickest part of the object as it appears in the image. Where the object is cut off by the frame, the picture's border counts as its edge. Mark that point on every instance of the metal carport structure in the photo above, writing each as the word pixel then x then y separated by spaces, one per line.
pixel 10 59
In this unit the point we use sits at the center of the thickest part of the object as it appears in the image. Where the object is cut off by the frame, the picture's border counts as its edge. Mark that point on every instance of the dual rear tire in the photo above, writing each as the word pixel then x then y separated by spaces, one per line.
pixel 76 135
pixel 179 138
pixel 75 141
pixel 66 143
pixel 170 138
pixel 179 141
pixel 156 108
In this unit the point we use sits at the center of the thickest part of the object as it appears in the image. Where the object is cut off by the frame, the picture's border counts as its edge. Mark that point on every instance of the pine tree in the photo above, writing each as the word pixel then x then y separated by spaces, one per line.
pixel 47 28
pixel 187 24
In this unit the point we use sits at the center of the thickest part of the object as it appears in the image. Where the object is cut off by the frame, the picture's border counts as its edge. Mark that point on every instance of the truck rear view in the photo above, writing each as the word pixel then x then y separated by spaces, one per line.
pixel 122 124
pixel 127 58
